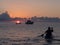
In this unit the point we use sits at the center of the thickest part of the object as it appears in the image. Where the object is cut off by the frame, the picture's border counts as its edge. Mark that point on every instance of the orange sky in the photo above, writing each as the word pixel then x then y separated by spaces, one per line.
pixel 29 8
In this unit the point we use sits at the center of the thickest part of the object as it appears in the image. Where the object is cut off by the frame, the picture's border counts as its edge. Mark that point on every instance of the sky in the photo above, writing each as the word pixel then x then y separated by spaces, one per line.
pixel 29 8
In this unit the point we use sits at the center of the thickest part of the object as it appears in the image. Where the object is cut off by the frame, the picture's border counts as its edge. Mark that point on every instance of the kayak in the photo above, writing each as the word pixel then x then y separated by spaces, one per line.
pixel 40 38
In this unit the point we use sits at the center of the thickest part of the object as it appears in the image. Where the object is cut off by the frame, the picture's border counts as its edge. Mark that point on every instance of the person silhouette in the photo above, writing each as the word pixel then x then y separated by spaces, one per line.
pixel 48 33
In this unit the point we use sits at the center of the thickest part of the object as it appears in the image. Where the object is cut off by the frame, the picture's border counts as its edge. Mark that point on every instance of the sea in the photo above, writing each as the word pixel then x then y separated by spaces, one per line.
pixel 28 34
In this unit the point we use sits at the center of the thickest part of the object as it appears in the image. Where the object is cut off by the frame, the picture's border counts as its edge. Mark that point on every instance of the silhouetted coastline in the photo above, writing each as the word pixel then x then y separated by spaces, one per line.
pixel 5 17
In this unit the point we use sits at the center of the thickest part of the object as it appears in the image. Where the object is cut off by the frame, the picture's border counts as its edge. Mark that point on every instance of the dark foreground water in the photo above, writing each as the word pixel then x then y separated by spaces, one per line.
pixel 22 34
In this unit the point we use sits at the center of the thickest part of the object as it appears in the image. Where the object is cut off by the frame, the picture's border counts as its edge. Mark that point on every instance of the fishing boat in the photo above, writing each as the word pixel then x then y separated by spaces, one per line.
pixel 29 22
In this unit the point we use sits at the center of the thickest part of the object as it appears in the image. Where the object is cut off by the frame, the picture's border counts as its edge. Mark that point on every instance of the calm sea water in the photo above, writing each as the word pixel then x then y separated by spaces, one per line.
pixel 22 34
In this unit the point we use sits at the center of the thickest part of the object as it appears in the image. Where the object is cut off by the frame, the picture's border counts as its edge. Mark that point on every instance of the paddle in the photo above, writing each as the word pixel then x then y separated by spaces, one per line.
pixel 40 35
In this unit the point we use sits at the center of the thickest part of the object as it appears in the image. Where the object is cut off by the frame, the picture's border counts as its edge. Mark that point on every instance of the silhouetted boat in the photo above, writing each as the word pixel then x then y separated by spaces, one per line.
pixel 18 23
pixel 29 22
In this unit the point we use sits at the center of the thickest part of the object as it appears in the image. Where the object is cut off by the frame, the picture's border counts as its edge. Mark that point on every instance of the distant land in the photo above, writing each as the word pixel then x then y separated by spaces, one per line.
pixel 5 17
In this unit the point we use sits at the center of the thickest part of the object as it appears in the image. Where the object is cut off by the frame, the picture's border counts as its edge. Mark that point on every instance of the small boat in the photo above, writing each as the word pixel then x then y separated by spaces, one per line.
pixel 29 22
pixel 18 22
pixel 39 38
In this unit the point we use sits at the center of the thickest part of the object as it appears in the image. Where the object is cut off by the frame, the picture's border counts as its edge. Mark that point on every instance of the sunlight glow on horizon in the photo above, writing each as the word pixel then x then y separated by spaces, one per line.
pixel 30 8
